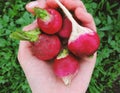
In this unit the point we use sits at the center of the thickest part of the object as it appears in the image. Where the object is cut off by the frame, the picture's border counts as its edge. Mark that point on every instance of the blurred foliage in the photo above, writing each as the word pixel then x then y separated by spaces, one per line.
pixel 13 16
pixel 106 14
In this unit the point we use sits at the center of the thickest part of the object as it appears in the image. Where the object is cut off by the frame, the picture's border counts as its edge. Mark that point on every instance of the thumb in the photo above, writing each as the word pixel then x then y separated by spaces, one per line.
pixel 73 4
pixel 85 18
pixel 31 26
pixel 51 3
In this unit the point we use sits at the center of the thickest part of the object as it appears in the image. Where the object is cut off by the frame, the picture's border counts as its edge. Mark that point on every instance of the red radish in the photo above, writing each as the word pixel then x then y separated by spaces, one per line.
pixel 44 47
pixel 47 47
pixel 83 41
pixel 65 67
pixel 66 28
pixel 49 20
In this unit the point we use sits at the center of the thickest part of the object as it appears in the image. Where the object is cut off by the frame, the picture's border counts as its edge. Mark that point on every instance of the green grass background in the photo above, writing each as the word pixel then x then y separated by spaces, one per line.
pixel 106 14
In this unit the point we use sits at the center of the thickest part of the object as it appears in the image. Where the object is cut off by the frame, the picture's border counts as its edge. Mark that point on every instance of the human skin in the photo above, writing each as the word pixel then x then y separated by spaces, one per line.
pixel 40 75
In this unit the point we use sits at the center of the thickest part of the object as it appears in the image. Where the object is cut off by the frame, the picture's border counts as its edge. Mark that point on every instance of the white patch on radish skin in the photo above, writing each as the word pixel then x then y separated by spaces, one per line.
pixel 68 79
pixel 77 33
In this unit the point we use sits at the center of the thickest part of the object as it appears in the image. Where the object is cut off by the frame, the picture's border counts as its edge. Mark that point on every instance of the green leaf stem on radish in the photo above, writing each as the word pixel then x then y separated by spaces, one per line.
pixel 26 35
pixel 42 14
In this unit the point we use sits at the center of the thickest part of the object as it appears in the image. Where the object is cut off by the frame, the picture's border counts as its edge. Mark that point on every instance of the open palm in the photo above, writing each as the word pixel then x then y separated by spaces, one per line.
pixel 39 73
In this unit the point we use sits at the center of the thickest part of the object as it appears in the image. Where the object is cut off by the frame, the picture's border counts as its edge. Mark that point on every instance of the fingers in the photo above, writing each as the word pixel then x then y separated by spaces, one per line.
pixel 51 3
pixel 76 5
pixel 85 17
pixel 73 4
pixel 40 3
pixel 31 26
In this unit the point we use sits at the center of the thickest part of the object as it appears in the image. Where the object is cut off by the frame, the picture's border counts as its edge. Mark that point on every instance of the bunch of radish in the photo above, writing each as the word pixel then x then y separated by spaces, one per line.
pixel 61 39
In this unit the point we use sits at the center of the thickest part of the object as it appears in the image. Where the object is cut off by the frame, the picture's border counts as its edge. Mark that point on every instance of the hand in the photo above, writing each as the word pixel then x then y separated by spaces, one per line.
pixel 39 73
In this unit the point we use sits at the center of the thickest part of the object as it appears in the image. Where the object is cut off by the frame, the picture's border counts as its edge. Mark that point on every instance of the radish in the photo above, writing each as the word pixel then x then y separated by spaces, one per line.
pixel 82 41
pixel 66 28
pixel 49 20
pixel 65 67
pixel 44 47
